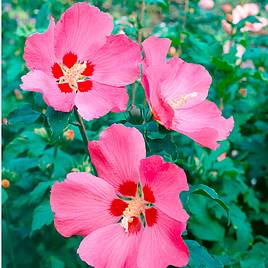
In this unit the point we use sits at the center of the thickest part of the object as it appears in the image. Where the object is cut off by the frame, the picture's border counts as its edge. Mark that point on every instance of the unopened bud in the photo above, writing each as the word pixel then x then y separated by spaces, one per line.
pixel 221 157
pixel 234 153
pixel 5 183
pixel 135 115
pixel 191 10
pixel 69 134
pixel 261 69
pixel 172 51
pixel 5 121
pixel 18 94
pixel 229 17
pixel 243 92
pixel 227 8
pixel 41 132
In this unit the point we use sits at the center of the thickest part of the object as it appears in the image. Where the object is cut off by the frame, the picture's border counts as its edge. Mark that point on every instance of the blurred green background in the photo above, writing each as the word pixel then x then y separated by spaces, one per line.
pixel 40 147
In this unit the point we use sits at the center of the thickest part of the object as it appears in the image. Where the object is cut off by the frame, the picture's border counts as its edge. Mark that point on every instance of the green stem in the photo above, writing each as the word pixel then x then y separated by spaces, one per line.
pixel 186 9
pixel 82 128
pixel 140 36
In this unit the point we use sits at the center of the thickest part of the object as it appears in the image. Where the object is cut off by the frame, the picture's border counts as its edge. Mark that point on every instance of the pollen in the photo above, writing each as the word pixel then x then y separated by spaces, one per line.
pixel 176 104
pixel 73 75
pixel 134 209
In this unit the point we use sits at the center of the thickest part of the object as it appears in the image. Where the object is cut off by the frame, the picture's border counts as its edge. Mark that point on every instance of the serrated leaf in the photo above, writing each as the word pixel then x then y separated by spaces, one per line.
pixel 242 228
pixel 202 223
pixel 42 215
pixel 204 190
pixel 199 256
pixel 24 114
pixel 22 164
pixel 57 121
pixel 37 194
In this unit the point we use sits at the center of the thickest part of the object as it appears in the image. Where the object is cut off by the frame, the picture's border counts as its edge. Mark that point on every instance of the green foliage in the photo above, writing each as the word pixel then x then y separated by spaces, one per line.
pixel 227 201
pixel 200 257
pixel 42 215
pixel 57 122
pixel 24 115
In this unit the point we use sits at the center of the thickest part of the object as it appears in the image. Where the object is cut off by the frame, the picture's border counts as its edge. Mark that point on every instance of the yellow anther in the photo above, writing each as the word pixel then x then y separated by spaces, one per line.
pixel 73 75
pixel 175 104
pixel 134 209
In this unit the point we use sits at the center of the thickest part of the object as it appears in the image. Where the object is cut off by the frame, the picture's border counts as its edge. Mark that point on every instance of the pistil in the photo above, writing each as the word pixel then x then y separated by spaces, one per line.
pixel 73 75
pixel 134 209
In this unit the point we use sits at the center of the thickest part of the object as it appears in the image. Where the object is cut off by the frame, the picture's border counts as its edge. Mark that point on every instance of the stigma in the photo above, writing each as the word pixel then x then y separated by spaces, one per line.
pixel 134 209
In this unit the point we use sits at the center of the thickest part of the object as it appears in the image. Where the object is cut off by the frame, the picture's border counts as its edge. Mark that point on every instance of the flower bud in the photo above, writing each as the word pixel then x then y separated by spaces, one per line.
pixel 18 94
pixel 5 121
pixel 229 17
pixel 135 115
pixel 243 92
pixel 227 8
pixel 69 134
pixel 5 183
pixel 221 157
pixel 172 51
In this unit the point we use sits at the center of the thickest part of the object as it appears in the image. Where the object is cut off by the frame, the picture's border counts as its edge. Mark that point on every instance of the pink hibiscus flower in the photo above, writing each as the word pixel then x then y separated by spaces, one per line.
pixel 176 92
pixel 130 215
pixel 250 9
pixel 78 62
pixel 206 4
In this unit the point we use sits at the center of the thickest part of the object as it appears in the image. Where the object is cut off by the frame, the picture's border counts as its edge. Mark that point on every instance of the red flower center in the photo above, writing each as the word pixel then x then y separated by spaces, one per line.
pixel 73 75
pixel 136 208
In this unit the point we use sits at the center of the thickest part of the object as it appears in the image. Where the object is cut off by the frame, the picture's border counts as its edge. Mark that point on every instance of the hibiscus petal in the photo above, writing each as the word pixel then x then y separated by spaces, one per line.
pixel 152 79
pixel 82 204
pixel 38 81
pixel 100 99
pixel 155 50
pixel 116 156
pixel 110 246
pixel 161 244
pixel 117 62
pixel 203 123
pixel 185 81
pixel 162 183
pixel 82 30
pixel 39 50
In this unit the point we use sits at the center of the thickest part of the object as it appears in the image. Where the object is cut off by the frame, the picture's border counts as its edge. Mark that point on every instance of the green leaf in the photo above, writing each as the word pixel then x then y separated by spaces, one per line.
pixel 204 190
pixel 256 257
pixel 37 194
pixel 57 121
pixel 202 223
pixel 242 228
pixel 56 263
pixel 163 3
pixel 42 19
pixel 4 196
pixel 22 164
pixel 42 215
pixel 24 114
pixel 199 256
pixel 156 135
pixel 56 157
